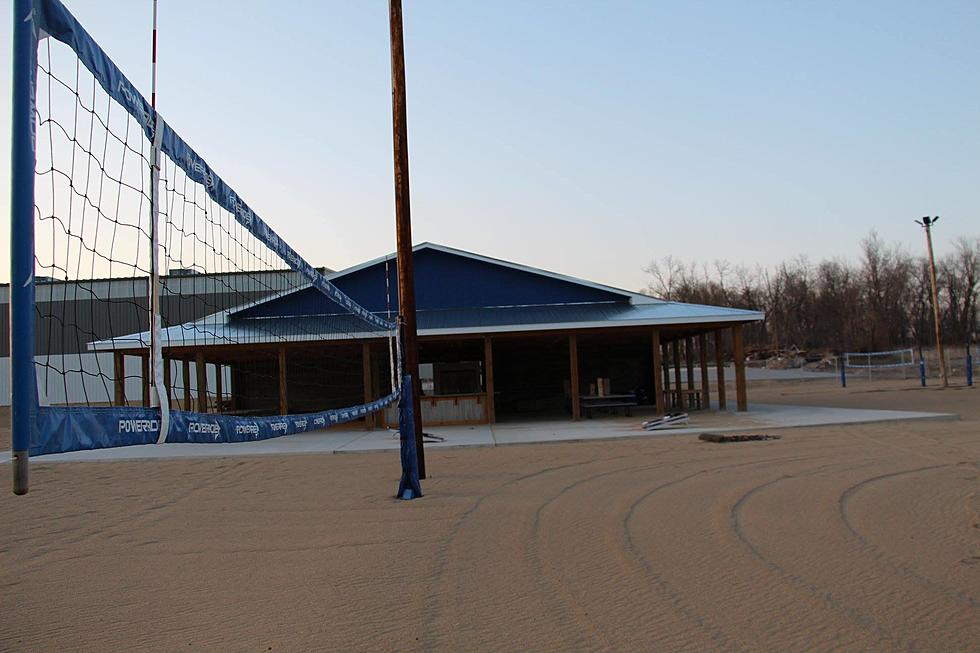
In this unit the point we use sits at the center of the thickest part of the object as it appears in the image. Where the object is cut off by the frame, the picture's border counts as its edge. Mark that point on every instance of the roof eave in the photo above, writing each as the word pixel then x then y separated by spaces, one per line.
pixel 744 317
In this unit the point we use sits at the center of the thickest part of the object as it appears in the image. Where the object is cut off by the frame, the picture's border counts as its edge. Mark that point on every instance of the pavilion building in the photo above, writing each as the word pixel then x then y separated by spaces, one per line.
pixel 497 341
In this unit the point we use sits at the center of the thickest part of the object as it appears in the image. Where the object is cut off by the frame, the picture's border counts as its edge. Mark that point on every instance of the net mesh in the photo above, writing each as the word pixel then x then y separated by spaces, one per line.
pixel 91 230
pixel 880 359
pixel 880 365
pixel 224 348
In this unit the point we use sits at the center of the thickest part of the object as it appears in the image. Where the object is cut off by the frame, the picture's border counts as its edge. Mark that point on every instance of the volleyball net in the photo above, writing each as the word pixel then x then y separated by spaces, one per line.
pixel 882 365
pixel 142 282
pixel 880 360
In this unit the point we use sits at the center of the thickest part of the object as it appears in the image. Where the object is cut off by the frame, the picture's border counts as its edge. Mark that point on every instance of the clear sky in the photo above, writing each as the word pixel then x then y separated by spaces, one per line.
pixel 586 138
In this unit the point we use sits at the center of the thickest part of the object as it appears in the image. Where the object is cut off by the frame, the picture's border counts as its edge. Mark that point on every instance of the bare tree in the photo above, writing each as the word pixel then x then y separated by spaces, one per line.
pixel 665 274
pixel 960 272
pixel 882 302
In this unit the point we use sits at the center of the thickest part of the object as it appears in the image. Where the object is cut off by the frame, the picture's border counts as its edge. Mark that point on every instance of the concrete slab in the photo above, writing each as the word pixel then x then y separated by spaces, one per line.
pixel 782 416
pixel 762 416
pixel 561 431
pixel 454 436
pixel 318 442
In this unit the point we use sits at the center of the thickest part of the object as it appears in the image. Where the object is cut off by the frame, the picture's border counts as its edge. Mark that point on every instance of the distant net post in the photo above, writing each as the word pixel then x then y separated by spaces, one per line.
pixel 969 366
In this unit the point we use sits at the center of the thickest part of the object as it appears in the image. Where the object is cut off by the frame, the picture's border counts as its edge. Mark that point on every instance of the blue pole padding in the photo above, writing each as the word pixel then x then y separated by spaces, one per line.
pixel 409 486
pixel 843 373
pixel 23 383
pixel 969 368
pixel 922 372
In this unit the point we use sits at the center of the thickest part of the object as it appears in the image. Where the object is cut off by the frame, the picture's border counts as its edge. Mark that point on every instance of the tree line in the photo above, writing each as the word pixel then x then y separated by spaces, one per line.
pixel 883 301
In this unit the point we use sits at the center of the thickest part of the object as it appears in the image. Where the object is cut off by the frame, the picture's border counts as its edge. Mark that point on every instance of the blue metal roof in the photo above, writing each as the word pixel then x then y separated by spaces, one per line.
pixel 563 315
pixel 443 280
pixel 457 293
pixel 438 322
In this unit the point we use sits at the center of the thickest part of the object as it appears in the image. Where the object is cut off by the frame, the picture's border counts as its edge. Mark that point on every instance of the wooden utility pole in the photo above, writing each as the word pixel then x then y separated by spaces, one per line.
pixel 927 223
pixel 403 222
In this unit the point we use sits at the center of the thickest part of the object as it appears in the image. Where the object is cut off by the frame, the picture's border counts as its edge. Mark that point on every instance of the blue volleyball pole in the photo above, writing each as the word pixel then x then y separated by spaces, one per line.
pixel 969 366
pixel 922 372
pixel 843 375
pixel 409 486
pixel 23 383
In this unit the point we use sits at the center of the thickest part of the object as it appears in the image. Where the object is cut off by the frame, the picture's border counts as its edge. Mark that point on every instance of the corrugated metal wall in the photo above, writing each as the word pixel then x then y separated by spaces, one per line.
pixel 72 314
pixel 91 389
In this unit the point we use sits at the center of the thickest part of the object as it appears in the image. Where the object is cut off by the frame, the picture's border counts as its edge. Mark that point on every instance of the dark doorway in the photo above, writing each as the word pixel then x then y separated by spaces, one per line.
pixel 531 377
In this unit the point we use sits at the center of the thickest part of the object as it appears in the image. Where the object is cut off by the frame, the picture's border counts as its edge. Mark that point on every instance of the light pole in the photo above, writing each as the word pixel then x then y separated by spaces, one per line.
pixel 927 223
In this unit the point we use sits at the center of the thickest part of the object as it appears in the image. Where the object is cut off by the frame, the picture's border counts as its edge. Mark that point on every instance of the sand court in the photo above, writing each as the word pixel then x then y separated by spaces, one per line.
pixel 858 536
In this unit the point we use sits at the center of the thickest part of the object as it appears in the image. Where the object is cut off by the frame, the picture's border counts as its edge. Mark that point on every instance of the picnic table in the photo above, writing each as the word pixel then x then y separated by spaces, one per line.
pixel 589 403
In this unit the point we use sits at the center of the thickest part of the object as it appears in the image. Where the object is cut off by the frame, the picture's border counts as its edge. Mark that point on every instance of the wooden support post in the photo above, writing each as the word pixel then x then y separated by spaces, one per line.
pixel 217 387
pixel 119 374
pixel 231 388
pixel 689 359
pixel 283 395
pixel 168 383
pixel 703 355
pixel 681 405
pixel 379 374
pixel 202 382
pixel 741 397
pixel 720 367
pixel 187 385
pixel 665 372
pixel 366 371
pixel 658 382
pixel 488 377
pixel 145 374
pixel 573 376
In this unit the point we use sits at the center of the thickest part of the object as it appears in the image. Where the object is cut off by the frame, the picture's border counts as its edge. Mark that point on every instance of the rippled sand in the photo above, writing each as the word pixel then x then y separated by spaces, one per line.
pixel 854 537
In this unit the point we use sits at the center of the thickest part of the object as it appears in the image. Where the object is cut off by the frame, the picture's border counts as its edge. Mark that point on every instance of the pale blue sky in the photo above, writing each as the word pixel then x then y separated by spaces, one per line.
pixel 586 138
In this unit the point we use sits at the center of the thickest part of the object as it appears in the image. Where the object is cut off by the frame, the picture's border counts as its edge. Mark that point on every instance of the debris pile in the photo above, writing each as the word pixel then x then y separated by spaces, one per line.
pixel 718 437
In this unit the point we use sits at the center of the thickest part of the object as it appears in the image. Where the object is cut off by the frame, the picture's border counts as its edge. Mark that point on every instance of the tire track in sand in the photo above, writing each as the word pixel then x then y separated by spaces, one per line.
pixel 582 602
pixel 809 588
pixel 862 585
pixel 674 597
pixel 431 636
pixel 899 566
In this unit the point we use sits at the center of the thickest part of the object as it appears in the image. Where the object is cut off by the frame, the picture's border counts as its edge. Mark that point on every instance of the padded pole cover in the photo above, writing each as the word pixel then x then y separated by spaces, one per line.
pixel 409 486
